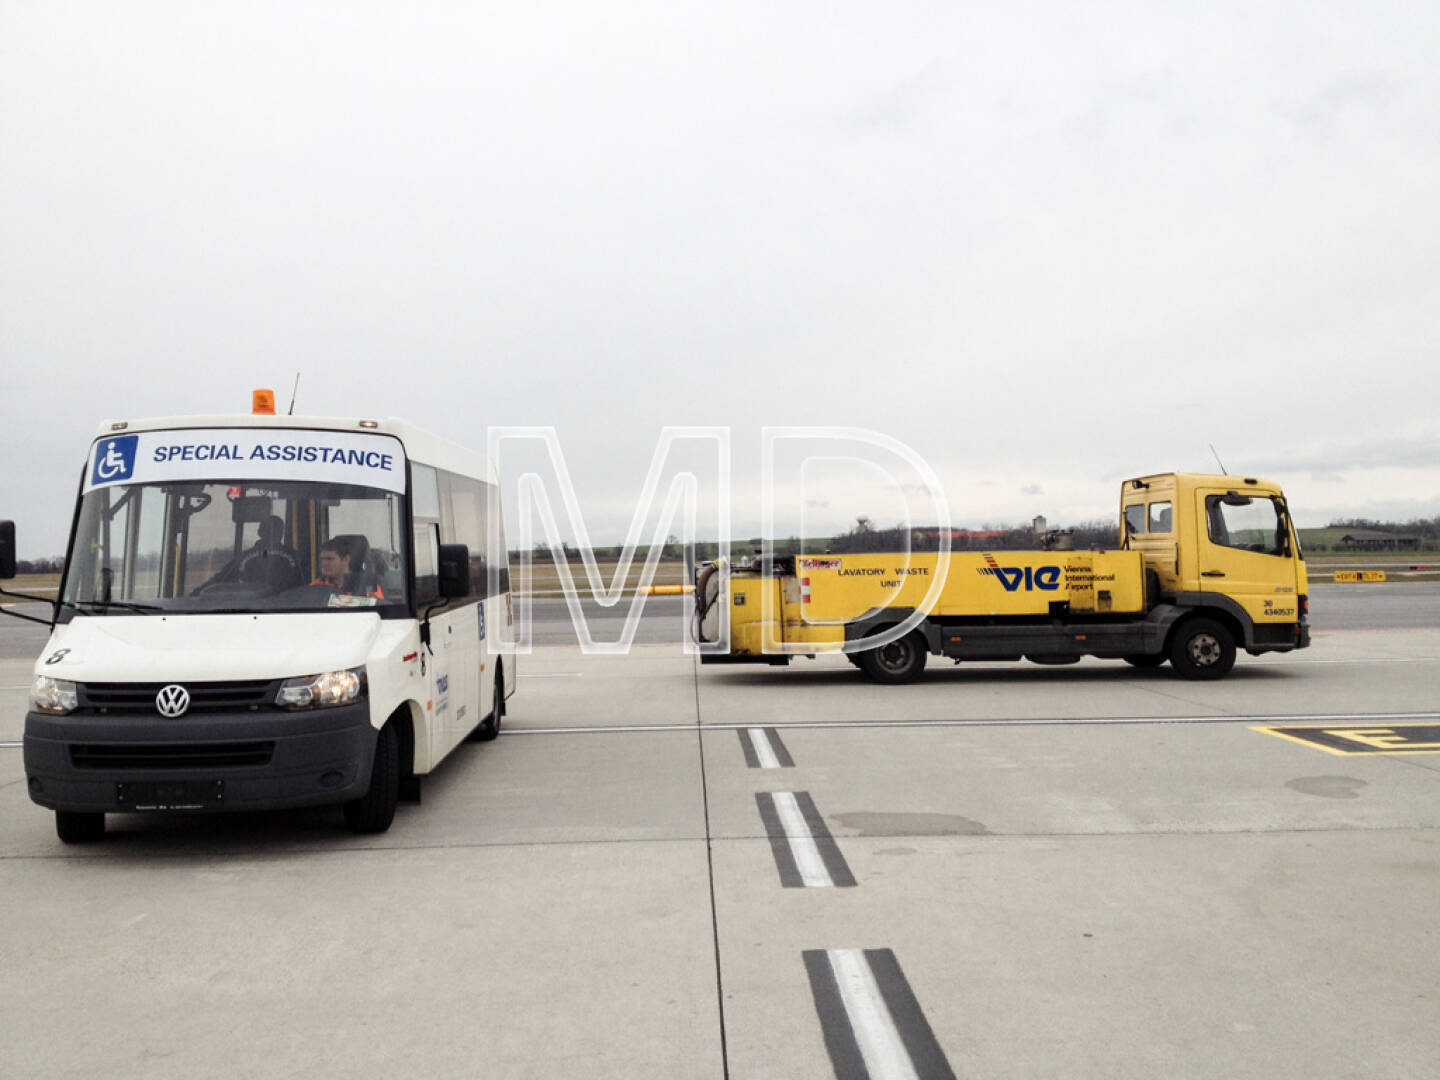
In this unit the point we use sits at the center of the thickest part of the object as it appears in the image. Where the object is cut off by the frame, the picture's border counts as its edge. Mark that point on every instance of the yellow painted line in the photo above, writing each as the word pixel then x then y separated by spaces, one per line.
pixel 1303 742
pixel 1354 740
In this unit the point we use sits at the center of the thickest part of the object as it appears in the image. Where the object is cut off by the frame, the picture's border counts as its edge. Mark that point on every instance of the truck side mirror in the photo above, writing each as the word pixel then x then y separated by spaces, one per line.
pixel 7 550
pixel 454 572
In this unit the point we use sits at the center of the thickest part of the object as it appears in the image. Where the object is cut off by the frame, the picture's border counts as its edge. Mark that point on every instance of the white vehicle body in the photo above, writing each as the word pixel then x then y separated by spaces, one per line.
pixel 286 575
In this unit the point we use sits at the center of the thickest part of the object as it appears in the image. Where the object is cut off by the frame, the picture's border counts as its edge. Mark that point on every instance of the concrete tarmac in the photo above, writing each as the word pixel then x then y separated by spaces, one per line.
pixel 1001 871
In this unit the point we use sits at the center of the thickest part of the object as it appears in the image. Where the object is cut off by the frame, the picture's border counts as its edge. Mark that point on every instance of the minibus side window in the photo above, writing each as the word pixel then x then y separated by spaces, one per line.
pixel 499 576
pixel 424 493
pixel 427 563
pixel 467 502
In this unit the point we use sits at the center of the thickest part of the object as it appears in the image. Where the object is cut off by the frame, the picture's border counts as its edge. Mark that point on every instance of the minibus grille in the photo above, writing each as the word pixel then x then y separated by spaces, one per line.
pixel 170 755
pixel 204 696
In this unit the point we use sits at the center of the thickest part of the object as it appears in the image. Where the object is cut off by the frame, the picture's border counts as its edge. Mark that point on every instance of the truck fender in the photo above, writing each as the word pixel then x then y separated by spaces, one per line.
pixel 877 619
pixel 1232 612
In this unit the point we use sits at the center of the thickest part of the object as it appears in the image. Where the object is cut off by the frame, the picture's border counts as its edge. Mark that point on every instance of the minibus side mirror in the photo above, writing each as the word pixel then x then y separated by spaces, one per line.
pixel 7 550
pixel 454 575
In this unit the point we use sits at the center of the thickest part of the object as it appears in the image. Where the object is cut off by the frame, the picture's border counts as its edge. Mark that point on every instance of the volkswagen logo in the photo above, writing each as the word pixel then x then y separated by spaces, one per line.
pixel 172 700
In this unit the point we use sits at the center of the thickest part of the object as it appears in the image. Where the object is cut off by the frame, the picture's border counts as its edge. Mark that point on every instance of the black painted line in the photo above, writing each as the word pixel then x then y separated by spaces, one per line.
pixel 814 843
pixel 710 874
pixel 782 755
pixel 779 844
pixel 915 1032
pixel 840 1044
pixel 748 748
pixel 829 849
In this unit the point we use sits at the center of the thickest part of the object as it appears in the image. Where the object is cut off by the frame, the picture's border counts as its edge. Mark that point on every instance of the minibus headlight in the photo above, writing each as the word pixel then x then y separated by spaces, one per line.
pixel 52 695
pixel 322 691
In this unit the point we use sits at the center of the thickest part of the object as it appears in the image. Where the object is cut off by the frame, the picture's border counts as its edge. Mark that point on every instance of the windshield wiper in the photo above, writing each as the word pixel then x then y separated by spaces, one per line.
pixel 106 605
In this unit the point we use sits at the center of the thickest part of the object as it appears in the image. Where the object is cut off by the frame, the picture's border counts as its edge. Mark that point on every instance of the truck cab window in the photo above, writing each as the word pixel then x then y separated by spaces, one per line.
pixel 1135 519
pixel 1251 524
pixel 1160 517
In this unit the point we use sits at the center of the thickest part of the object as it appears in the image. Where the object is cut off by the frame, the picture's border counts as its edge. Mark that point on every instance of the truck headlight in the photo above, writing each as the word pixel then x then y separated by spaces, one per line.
pixel 322 691
pixel 52 695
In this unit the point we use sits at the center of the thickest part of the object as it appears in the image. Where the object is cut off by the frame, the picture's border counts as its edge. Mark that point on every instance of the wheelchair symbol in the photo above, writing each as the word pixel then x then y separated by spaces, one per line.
pixel 114 460
pixel 112 465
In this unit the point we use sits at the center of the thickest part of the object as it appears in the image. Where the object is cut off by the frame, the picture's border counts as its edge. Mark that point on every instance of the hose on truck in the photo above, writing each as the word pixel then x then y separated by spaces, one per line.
pixel 705 599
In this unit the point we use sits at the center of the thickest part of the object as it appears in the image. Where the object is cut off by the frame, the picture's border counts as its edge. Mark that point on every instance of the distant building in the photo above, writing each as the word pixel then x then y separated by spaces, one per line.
pixel 1039 525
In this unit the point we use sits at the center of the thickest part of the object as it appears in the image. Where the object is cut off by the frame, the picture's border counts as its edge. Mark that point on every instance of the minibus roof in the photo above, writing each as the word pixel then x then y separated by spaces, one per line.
pixel 420 445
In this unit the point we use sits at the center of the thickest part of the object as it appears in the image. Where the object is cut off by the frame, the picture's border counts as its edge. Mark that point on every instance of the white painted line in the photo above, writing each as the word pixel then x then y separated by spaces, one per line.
pixel 1375 660
pixel 554 675
pixel 803 848
pixel 1054 721
pixel 764 754
pixel 880 1043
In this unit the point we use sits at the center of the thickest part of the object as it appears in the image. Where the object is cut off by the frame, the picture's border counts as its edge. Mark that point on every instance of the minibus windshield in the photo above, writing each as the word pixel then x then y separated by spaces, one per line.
pixel 237 546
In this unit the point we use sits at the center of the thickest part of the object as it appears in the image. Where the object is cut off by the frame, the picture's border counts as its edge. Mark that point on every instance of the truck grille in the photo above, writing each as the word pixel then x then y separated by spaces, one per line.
pixel 170 755
pixel 204 696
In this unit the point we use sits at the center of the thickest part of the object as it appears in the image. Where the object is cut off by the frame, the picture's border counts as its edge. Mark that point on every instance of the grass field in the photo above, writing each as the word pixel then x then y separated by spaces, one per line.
pixel 1375 558
pixel 35 584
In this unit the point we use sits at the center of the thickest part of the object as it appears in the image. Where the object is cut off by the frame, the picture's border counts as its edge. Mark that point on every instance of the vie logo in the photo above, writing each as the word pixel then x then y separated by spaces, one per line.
pixel 1044 578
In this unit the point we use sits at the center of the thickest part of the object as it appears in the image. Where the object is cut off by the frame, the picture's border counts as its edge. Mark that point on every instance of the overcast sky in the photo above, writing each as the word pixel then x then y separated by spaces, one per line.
pixel 1046 246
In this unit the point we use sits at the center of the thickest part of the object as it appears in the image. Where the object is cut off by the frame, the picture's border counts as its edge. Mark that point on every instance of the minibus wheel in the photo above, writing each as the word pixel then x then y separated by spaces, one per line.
pixel 373 811
pixel 79 826
pixel 489 728
pixel 898 662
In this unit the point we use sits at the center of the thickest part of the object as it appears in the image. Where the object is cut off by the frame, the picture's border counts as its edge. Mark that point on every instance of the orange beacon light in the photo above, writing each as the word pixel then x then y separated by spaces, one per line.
pixel 262 402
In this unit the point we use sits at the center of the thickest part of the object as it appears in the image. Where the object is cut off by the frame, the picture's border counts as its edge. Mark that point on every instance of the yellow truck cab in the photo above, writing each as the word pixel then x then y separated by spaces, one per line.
pixel 1206 565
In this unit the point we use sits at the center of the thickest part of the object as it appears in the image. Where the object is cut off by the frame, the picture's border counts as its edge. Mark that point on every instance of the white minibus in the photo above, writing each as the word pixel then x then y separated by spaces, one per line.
pixel 263 611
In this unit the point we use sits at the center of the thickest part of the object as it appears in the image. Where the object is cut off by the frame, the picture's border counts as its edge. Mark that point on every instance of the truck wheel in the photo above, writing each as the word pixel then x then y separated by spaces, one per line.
pixel 373 811
pixel 1202 649
pixel 489 728
pixel 1144 660
pixel 898 662
pixel 79 826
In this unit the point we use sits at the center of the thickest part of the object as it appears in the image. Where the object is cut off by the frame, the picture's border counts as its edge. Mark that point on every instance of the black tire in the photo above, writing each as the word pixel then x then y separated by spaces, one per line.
pixel 79 826
pixel 373 811
pixel 898 662
pixel 489 728
pixel 1145 660
pixel 1202 649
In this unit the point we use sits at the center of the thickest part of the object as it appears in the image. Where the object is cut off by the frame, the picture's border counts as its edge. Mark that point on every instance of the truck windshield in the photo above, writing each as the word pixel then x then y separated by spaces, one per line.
pixel 236 546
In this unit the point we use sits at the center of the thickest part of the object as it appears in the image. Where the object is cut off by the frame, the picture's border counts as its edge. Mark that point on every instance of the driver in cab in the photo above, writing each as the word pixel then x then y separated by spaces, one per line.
pixel 336 573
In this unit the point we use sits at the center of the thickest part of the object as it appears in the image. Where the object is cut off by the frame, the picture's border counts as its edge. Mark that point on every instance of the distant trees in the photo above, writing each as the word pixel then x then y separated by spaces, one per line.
pixel 865 537
pixel 53 565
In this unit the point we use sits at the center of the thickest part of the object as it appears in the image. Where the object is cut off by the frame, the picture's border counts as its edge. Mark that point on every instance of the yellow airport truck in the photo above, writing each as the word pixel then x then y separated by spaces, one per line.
pixel 1206 565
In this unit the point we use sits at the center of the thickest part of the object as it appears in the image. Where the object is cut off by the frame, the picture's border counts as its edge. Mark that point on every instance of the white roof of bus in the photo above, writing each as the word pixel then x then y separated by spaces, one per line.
pixel 420 445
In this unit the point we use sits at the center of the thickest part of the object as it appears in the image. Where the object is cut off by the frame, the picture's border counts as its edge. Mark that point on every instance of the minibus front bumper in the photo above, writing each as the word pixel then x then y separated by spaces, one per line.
pixel 261 760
